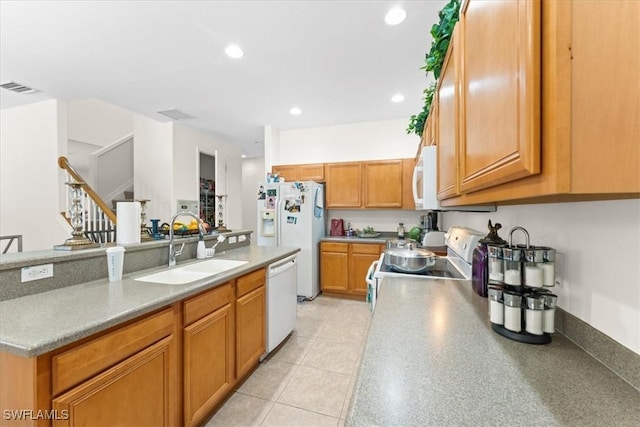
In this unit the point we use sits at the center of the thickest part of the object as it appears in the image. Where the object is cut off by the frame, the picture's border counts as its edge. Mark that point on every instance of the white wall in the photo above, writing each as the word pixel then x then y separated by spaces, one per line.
pixel 153 166
pixel 252 174
pixel 599 249
pixel 385 139
pixel 32 137
pixel 599 242
pixel 97 122
pixel 187 145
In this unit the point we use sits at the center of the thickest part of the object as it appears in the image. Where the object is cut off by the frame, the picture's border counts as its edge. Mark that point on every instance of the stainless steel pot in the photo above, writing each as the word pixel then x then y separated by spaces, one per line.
pixel 410 259
pixel 401 243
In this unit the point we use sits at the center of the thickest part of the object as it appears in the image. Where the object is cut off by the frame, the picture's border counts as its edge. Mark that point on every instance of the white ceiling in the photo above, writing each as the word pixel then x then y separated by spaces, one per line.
pixel 336 60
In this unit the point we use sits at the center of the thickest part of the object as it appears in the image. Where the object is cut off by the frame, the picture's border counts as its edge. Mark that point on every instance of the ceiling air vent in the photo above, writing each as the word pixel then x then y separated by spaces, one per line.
pixel 175 114
pixel 16 87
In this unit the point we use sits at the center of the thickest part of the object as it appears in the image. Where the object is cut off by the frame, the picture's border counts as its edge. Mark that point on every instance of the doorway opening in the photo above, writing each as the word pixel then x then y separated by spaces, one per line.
pixel 207 169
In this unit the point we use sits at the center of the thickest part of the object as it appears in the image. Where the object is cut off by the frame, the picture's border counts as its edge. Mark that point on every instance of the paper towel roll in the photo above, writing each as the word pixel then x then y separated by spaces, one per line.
pixel 128 223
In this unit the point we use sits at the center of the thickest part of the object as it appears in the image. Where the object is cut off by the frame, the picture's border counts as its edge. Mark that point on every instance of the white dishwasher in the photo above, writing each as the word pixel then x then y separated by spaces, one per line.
pixel 282 299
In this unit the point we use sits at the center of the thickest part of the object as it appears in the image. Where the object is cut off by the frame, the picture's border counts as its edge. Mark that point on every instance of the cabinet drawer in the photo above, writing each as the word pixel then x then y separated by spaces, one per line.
pixel 250 282
pixel 365 248
pixel 334 247
pixel 86 360
pixel 199 306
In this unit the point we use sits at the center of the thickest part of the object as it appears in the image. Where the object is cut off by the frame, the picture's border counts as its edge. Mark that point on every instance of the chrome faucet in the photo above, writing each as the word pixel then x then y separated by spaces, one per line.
pixel 172 252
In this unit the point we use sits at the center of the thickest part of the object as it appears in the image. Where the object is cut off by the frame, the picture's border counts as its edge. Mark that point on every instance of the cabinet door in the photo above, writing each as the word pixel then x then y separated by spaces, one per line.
pixel 501 92
pixel 135 392
pixel 208 363
pixel 311 172
pixel 383 184
pixel 448 118
pixel 362 255
pixel 288 172
pixel 250 330
pixel 344 184
pixel 334 266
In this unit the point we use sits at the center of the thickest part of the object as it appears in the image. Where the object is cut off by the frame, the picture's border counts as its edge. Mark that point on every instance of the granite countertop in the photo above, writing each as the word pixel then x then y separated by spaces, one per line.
pixel 36 324
pixel 431 358
pixel 382 239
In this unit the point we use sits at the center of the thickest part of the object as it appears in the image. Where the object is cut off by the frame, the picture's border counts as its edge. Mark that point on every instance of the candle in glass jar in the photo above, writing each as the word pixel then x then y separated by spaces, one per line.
pixel 512 277
pixel 533 276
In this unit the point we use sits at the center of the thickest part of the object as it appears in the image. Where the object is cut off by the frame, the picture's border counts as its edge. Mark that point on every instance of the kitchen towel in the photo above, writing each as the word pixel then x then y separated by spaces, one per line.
pixel 128 223
pixel 318 204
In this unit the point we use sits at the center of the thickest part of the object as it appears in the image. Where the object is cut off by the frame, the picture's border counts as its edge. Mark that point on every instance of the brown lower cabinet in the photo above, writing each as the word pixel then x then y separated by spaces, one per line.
pixel 343 267
pixel 171 367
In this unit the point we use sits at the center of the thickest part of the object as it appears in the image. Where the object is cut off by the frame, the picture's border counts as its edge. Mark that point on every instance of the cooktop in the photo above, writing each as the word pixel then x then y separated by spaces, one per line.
pixel 442 269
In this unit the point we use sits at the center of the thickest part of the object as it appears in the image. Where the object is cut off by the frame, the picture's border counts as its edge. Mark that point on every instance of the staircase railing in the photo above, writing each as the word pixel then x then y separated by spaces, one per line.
pixel 98 220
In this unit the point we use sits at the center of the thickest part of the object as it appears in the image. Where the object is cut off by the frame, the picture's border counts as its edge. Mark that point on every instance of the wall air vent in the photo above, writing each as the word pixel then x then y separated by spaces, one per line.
pixel 16 87
pixel 175 114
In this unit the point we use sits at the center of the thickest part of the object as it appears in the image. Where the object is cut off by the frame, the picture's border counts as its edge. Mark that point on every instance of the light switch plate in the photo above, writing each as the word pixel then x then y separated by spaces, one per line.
pixel 36 272
pixel 232 239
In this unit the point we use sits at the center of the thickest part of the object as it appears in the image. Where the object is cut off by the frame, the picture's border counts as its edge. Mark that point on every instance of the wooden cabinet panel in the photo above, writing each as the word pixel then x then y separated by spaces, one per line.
pixel 208 363
pixel 501 90
pixel 305 172
pixel 606 139
pixel 447 100
pixel 311 172
pixel 588 152
pixel 250 330
pixel 407 183
pixel 250 281
pixel 135 392
pixel 358 267
pixel 343 267
pixel 86 360
pixel 201 305
pixel 383 184
pixel 344 183
pixel 334 266
pixel 288 172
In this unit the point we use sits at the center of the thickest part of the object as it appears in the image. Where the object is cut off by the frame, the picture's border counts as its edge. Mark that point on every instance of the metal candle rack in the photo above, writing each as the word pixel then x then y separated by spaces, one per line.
pixel 520 305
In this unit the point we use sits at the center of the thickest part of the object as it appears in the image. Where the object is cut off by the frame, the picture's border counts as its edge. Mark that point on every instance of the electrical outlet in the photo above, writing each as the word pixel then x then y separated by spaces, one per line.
pixel 242 238
pixel 232 240
pixel 36 272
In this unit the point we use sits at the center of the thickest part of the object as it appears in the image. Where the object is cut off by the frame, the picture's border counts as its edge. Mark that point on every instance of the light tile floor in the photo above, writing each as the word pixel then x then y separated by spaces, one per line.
pixel 309 380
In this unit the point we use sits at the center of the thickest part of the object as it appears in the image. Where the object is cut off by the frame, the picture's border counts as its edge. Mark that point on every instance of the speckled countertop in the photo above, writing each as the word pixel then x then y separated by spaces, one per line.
pixel 431 358
pixel 36 324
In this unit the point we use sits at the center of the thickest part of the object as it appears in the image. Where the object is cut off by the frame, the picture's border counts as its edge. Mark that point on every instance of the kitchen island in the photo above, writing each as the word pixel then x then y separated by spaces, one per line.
pixel 35 324
pixel 431 358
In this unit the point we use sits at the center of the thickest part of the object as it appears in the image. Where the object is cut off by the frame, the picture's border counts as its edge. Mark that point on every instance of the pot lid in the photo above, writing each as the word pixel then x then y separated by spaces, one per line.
pixel 410 252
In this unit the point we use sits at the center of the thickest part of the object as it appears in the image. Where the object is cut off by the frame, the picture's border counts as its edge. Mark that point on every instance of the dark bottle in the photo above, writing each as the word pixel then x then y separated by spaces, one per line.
pixel 480 266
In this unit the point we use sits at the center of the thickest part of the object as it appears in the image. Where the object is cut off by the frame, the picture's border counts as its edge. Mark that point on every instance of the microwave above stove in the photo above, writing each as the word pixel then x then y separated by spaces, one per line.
pixel 425 185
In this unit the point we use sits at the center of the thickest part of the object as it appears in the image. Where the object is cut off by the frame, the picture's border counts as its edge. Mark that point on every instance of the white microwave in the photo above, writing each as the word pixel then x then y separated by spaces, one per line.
pixel 425 185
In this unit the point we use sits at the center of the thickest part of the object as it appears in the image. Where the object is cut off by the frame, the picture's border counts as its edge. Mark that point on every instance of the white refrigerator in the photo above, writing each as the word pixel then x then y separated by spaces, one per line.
pixel 292 214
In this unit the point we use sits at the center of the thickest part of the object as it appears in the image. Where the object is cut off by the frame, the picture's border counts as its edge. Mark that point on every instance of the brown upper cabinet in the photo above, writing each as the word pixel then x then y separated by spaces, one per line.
pixel 383 184
pixel 446 114
pixel 306 172
pixel 500 92
pixel 535 125
pixel 344 183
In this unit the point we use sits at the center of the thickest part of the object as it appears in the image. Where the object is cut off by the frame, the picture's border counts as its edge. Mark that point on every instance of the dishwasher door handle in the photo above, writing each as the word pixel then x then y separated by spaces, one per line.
pixel 282 266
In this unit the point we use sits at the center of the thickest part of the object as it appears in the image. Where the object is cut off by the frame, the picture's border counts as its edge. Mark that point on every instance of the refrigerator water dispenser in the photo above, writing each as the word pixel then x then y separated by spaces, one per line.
pixel 267 223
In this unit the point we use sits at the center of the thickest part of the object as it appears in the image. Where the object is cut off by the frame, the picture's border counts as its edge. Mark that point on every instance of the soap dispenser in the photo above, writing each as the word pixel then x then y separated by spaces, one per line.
pixel 201 250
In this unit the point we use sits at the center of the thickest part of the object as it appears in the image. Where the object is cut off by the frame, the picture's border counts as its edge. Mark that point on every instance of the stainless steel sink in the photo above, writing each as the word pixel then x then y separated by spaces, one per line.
pixel 192 272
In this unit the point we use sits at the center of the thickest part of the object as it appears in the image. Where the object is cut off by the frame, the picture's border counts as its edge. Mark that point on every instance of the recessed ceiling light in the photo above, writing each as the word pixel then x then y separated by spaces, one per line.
pixel 295 111
pixel 395 16
pixel 244 156
pixel 234 51
pixel 397 98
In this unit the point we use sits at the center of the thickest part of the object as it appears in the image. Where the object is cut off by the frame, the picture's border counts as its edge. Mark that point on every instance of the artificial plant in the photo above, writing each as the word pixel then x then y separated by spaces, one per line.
pixel 441 33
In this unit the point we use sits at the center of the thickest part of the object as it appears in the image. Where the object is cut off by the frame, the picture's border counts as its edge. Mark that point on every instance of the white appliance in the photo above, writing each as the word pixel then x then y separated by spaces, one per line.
pixel 282 301
pixel 425 184
pixel 457 265
pixel 292 214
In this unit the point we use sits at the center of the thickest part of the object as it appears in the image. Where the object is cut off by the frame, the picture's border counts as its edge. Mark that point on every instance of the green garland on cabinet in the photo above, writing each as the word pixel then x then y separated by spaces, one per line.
pixel 441 33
